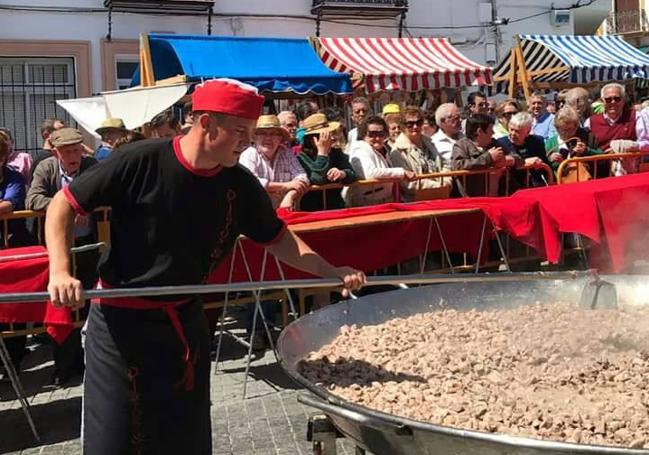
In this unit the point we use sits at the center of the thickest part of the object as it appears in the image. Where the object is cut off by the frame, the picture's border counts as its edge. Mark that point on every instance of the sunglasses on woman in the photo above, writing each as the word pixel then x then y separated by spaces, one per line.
pixel 413 123
pixel 376 134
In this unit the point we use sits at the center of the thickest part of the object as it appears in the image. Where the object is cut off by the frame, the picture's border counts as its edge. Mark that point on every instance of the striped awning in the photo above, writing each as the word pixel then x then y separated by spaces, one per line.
pixel 577 59
pixel 401 64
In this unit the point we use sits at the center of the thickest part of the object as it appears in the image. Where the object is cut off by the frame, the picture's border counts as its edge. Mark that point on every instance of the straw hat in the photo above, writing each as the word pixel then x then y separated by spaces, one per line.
pixel 318 123
pixel 111 124
pixel 271 122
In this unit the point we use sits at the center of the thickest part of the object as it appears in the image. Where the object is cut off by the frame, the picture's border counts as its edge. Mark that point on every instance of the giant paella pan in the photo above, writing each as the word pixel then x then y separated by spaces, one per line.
pixel 600 322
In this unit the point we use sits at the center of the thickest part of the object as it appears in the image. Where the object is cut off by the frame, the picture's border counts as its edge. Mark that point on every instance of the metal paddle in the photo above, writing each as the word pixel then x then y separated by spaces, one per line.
pixel 602 291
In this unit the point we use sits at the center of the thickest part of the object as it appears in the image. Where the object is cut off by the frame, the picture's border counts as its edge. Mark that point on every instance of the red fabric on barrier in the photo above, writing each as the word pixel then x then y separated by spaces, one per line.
pixel 614 208
pixel 31 275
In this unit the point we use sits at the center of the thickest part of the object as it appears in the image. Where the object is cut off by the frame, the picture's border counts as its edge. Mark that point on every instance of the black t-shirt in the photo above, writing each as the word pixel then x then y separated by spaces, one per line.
pixel 171 224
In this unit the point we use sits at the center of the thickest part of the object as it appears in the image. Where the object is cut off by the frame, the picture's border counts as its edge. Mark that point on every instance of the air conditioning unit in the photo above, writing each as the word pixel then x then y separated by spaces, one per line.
pixel 560 17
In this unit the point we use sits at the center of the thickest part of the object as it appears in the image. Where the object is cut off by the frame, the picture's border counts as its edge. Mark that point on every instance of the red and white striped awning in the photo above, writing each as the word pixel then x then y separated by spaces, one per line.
pixel 408 64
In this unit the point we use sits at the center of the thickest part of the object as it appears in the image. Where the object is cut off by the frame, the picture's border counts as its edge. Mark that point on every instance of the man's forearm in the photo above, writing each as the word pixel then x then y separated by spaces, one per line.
pixel 276 187
pixel 59 224
pixel 294 252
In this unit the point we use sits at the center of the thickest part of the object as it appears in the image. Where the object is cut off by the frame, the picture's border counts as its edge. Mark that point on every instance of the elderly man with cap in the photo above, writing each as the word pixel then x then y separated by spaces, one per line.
pixel 111 130
pixel 178 206
pixel 50 176
pixel 276 167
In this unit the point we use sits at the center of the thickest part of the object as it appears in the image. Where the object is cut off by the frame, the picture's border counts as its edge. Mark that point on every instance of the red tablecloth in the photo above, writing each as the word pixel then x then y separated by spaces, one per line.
pixel 613 209
pixel 30 275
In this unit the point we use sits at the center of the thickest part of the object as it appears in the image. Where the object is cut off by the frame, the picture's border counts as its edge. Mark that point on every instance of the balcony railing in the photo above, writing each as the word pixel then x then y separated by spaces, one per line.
pixel 621 22
pixel 162 7
pixel 386 8
pixel 167 6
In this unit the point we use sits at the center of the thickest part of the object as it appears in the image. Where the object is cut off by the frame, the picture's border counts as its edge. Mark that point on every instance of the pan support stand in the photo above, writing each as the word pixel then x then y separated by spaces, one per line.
pixel 18 388
pixel 258 310
pixel 322 433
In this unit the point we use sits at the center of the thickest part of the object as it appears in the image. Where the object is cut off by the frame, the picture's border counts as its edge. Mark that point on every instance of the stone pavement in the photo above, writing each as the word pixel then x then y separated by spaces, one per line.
pixel 268 421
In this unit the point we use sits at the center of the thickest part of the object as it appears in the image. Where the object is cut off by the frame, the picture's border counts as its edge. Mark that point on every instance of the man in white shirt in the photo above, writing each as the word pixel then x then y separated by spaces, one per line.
pixel 288 121
pixel 447 117
pixel 276 167
pixel 360 111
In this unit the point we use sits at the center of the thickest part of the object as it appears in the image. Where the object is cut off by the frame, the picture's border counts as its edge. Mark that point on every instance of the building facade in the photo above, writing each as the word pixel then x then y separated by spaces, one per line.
pixel 628 19
pixel 53 49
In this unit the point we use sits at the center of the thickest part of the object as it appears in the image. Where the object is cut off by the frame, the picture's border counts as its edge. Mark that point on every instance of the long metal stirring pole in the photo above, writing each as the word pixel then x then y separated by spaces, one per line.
pixel 393 280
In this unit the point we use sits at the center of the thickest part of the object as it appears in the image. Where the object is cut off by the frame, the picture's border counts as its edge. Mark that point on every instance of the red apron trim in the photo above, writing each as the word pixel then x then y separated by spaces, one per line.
pixel 188 376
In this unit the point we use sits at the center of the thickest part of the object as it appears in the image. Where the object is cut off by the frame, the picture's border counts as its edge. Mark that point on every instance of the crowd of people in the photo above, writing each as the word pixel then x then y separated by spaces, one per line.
pixel 310 145
pixel 307 146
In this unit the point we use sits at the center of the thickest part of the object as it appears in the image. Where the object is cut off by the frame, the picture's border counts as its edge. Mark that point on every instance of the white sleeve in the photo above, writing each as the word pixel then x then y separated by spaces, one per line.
pixel 642 129
pixel 366 164
pixel 250 161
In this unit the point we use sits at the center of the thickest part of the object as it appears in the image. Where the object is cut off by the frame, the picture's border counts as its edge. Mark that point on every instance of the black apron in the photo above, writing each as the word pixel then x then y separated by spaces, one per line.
pixel 137 398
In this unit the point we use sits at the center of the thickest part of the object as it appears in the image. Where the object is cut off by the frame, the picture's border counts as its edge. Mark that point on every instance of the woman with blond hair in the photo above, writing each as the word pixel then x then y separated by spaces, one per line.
pixel 504 112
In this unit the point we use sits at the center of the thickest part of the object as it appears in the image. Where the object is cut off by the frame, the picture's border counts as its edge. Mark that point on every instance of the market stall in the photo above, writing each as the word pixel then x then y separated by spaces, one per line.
pixel 407 64
pixel 560 61
pixel 402 67
pixel 275 66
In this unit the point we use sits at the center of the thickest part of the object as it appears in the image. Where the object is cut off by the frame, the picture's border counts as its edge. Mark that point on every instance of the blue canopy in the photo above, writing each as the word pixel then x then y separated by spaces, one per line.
pixel 271 64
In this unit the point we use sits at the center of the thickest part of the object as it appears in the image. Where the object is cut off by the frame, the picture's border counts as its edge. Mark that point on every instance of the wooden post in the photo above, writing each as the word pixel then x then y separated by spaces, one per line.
pixel 147 76
pixel 512 74
pixel 522 70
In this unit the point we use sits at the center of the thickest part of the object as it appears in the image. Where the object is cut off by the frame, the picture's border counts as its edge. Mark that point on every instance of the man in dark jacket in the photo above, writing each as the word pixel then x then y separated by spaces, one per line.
pixel 478 151
pixel 51 175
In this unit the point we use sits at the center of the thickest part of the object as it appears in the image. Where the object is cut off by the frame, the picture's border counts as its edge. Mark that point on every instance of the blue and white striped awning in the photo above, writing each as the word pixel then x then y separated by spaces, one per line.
pixel 577 59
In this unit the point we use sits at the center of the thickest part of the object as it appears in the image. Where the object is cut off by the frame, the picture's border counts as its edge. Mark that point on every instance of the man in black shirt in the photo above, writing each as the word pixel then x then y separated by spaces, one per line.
pixel 178 206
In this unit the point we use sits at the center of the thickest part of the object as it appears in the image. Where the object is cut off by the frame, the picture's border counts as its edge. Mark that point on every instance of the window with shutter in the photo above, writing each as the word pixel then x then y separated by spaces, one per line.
pixel 29 89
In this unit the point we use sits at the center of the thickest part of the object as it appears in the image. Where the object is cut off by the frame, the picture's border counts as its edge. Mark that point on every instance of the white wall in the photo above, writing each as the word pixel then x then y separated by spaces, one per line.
pixel 431 13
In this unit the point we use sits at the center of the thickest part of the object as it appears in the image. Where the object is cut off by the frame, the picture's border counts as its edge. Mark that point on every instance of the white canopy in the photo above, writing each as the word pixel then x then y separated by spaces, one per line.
pixel 135 106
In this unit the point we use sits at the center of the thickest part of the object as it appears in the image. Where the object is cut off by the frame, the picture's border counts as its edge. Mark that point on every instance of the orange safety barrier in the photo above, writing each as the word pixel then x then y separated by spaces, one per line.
pixel 582 174
pixel 103 224
pixel 547 170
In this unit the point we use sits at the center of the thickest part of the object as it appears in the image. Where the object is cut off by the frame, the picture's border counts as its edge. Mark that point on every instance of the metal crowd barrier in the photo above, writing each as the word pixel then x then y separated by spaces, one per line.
pixel 459 175
pixel 612 157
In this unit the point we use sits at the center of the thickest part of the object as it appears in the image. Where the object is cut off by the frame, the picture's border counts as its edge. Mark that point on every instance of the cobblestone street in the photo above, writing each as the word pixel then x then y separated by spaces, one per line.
pixel 269 421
